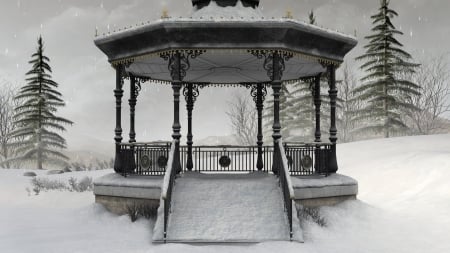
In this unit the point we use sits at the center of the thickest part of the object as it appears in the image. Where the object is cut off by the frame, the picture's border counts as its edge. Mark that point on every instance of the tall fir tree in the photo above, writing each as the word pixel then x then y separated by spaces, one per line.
pixel 301 111
pixel 35 119
pixel 383 92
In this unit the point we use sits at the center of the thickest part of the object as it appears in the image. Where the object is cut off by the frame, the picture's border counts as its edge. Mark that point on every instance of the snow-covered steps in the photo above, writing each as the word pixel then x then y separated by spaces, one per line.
pixel 227 208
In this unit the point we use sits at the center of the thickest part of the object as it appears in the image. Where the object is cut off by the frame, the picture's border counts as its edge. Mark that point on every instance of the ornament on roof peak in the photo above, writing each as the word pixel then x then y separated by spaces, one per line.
pixel 225 3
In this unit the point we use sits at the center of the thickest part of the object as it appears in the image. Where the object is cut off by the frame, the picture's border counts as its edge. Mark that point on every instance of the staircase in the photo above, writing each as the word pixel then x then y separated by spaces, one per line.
pixel 213 208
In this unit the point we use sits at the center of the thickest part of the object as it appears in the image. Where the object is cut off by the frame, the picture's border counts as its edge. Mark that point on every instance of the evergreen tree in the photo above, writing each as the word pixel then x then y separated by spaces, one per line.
pixel 383 92
pixel 35 119
pixel 301 109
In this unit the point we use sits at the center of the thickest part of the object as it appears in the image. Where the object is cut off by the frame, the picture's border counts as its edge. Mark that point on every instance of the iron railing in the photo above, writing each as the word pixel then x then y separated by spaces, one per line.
pixel 285 182
pixel 151 158
pixel 166 190
pixel 307 158
pixel 148 159
pixel 227 158
pixel 281 163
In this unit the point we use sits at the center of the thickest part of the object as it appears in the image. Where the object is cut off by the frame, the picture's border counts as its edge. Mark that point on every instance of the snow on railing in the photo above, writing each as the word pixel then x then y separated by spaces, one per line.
pixel 286 170
pixel 169 171
pixel 285 182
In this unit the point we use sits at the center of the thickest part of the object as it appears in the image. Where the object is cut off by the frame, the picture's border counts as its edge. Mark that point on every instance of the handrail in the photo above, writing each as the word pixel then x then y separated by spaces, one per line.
pixel 286 184
pixel 286 170
pixel 166 191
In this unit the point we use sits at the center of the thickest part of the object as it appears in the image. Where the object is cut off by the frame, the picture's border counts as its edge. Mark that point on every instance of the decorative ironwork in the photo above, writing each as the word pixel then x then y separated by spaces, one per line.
pixel 179 62
pixel 268 64
pixel 139 81
pixel 162 162
pixel 195 92
pixel 254 92
pixel 145 162
pixel 225 161
pixel 306 162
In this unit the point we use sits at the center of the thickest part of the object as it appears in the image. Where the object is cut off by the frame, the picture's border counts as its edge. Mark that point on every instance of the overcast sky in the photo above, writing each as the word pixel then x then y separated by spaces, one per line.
pixel 87 80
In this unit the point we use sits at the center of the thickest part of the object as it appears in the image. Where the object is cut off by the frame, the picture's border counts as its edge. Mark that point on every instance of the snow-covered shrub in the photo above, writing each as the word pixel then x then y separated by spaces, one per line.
pixel 44 184
pixel 85 184
pixel 312 214
pixel 135 211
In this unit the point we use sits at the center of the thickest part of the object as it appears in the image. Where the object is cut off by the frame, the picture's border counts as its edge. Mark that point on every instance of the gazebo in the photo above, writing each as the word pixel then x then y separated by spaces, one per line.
pixel 225 43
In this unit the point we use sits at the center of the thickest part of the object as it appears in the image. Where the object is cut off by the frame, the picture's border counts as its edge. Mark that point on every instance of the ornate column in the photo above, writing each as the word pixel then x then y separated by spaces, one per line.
pixel 132 102
pixel 277 72
pixel 317 104
pixel 259 93
pixel 190 93
pixel 175 72
pixel 178 66
pixel 118 93
pixel 274 65
pixel 333 167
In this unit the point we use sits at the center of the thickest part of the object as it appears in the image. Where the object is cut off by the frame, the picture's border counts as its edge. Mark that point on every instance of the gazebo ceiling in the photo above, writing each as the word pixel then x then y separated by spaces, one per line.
pixel 226 45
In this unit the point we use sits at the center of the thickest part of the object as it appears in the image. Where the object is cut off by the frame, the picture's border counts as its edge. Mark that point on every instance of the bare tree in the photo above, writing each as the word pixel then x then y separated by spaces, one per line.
pixel 434 78
pixel 7 105
pixel 349 105
pixel 242 114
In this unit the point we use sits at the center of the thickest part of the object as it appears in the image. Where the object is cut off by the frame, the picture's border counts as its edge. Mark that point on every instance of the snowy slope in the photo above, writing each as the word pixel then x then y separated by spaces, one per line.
pixel 404 206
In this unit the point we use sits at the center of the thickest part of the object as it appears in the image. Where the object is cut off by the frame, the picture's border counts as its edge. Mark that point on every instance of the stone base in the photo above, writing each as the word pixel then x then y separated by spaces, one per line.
pixel 328 201
pixel 119 205
pixel 316 191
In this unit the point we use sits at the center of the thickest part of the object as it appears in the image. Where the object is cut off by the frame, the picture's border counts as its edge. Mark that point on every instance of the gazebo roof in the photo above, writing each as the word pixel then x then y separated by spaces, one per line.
pixel 227 45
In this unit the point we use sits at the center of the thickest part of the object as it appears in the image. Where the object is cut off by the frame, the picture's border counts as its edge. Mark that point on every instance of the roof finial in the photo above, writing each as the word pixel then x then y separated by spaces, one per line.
pixel 289 14
pixel 165 13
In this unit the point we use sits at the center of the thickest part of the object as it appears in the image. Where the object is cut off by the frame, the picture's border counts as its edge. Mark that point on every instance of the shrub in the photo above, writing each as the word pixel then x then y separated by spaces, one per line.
pixel 146 211
pixel 313 214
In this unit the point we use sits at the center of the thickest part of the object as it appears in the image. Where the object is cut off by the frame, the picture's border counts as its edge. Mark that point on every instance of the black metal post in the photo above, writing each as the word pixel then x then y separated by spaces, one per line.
pixel 132 102
pixel 317 104
pixel 259 99
pixel 118 93
pixel 277 70
pixel 175 68
pixel 190 92
pixel 333 166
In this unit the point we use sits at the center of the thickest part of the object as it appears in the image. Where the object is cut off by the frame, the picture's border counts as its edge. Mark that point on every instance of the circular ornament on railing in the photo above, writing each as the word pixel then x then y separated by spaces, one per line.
pixel 306 162
pixel 145 162
pixel 224 161
pixel 162 162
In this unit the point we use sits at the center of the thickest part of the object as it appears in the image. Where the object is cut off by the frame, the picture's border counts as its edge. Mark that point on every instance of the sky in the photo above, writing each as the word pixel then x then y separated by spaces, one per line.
pixel 87 80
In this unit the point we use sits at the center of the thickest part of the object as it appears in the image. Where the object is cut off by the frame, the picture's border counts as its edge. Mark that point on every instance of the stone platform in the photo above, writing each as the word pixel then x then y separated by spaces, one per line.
pixel 116 192
pixel 316 191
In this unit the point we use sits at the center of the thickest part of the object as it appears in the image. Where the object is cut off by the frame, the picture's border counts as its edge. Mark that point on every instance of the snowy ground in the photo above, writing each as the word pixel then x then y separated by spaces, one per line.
pixel 404 206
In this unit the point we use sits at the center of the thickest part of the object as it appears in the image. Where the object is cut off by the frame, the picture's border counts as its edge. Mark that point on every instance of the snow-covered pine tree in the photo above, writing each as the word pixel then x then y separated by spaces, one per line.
pixel 301 109
pixel 35 119
pixel 382 91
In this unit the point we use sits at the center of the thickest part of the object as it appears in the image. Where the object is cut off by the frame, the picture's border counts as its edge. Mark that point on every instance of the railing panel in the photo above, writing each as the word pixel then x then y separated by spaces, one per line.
pixel 307 159
pixel 151 158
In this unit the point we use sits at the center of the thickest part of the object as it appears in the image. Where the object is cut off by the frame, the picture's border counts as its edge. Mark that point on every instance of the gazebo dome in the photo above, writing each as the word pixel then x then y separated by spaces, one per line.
pixel 224 3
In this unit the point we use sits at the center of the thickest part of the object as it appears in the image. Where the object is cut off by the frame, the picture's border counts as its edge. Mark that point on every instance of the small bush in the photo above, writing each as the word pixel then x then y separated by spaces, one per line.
pixel 85 184
pixel 45 184
pixel 135 211
pixel 313 214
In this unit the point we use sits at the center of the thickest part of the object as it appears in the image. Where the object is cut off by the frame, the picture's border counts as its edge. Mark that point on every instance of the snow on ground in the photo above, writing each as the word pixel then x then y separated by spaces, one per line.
pixel 403 206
